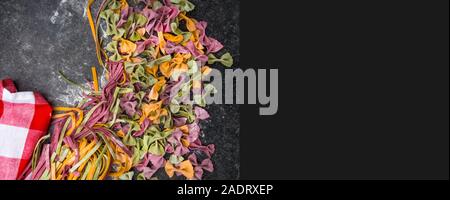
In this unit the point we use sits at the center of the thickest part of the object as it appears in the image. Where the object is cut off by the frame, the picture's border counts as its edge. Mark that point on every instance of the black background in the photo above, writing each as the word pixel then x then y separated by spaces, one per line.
pixel 363 90
pixel 363 94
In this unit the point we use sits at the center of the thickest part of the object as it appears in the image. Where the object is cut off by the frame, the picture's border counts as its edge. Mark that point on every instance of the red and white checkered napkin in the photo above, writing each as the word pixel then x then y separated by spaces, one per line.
pixel 24 119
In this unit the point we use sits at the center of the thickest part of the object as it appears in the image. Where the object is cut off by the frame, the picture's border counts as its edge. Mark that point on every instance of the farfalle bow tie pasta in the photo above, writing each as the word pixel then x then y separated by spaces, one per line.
pixel 139 122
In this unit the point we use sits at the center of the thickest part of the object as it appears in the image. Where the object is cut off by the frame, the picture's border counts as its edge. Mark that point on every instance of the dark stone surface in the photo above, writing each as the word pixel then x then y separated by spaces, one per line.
pixel 39 38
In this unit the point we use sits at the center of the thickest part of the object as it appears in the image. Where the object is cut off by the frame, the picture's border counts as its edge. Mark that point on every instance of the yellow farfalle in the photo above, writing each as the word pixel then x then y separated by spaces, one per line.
pixel 152 70
pixel 205 70
pixel 190 23
pixel 141 31
pixel 152 111
pixel 162 42
pixel 120 133
pixel 176 65
pixel 122 161
pixel 175 39
pixel 196 40
pixel 127 47
pixel 154 92
pixel 123 4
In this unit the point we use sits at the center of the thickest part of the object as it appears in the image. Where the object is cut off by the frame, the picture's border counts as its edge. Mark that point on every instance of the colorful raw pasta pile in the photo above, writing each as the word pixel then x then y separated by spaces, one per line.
pixel 142 120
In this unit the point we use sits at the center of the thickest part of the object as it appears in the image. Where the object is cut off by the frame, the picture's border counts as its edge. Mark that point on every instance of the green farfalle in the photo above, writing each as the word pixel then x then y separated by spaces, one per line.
pixel 138 155
pixel 129 140
pixel 139 20
pixel 208 89
pixel 167 121
pixel 140 177
pixel 135 37
pixel 183 5
pixel 174 106
pixel 226 59
pixel 186 111
pixel 134 126
pixel 127 176
pixel 112 48
pixel 139 75
pixel 111 18
pixel 147 53
pixel 114 4
pixel 193 68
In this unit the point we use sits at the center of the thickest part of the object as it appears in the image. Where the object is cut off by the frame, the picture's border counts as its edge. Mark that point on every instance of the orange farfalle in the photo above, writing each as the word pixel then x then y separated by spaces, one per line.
pixel 184 168
pixel 152 111
pixel 166 69
pixel 190 23
pixel 127 47
pixel 141 31
pixel 152 70
pixel 162 42
pixel 120 133
pixel 175 39
pixel 176 65
pixel 154 92
pixel 205 70
pixel 195 38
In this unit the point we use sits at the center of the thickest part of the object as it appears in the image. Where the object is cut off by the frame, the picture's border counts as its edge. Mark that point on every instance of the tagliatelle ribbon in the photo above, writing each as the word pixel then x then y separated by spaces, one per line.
pixel 184 168
pixel 75 123
pixel 94 32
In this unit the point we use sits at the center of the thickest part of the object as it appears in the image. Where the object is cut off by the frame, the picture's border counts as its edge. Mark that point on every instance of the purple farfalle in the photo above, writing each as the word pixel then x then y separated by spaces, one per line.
pixel 123 16
pixel 175 140
pixel 197 55
pixel 145 124
pixel 118 126
pixel 160 19
pixel 156 163
pixel 201 113
pixel 179 121
pixel 142 45
pixel 206 164
pixel 211 44
pixel 169 148
pixel 208 150
pixel 194 132
pixel 172 88
pixel 152 18
pixel 192 49
pixel 128 103
pixel 174 48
